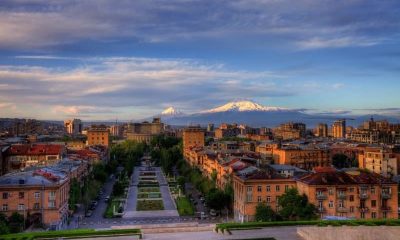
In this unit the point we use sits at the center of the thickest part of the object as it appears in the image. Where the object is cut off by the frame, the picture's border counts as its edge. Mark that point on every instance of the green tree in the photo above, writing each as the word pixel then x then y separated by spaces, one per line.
pixel 343 161
pixel 118 188
pixel 16 222
pixel 264 213
pixel 217 199
pixel 296 207
pixel 4 229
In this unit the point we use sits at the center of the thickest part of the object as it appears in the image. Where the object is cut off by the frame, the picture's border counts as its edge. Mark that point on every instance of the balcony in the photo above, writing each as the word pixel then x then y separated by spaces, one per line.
pixel 321 197
pixel 342 210
pixel 386 195
pixel 386 209
pixel 363 209
pixel 52 198
pixel 364 196
pixel 342 196
pixel 321 210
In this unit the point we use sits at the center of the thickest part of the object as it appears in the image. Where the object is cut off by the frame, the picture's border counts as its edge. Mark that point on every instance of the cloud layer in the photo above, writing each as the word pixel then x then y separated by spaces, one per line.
pixel 302 24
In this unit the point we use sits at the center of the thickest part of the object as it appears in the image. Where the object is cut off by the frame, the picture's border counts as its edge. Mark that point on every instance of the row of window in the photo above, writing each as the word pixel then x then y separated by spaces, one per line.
pixel 267 188
pixel 21 195
pixel 21 207
pixel 331 204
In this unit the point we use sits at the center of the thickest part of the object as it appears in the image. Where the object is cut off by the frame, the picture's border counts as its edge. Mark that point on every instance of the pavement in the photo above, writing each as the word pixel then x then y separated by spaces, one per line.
pixel 279 233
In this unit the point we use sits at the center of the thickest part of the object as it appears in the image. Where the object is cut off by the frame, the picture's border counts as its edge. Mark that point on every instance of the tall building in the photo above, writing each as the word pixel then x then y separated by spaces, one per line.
pixel 210 127
pixel 193 136
pixel 379 160
pixel 290 130
pixel 40 196
pixel 145 131
pixel 73 126
pixel 339 129
pixel 321 130
pixel 116 131
pixel 98 135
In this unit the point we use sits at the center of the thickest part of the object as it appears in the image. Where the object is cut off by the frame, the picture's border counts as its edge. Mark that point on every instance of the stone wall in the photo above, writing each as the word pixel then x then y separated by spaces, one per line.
pixel 349 233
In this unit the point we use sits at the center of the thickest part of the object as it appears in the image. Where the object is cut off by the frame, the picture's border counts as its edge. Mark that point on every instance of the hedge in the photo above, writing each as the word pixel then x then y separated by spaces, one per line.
pixel 78 233
pixel 222 227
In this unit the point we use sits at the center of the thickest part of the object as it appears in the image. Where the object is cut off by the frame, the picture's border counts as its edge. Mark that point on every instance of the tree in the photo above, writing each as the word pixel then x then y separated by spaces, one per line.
pixel 118 188
pixel 217 199
pixel 342 161
pixel 295 207
pixel 264 213
pixel 16 222
pixel 4 229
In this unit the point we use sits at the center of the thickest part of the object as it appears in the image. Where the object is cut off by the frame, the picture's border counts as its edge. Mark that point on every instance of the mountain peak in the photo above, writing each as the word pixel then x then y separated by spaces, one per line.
pixel 171 111
pixel 243 106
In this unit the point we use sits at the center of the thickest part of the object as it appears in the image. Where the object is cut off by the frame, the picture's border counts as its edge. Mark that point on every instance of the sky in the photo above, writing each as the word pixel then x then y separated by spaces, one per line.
pixel 104 59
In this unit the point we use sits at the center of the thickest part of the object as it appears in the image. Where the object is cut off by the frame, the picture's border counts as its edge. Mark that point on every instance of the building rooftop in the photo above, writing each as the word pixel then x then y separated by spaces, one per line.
pixel 33 178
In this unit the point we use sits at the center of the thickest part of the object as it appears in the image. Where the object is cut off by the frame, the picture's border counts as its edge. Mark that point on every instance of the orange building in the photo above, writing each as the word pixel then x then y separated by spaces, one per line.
pixel 305 158
pixel 40 196
pixel 252 187
pixel 356 194
pixel 193 136
pixel 20 156
pixel 98 135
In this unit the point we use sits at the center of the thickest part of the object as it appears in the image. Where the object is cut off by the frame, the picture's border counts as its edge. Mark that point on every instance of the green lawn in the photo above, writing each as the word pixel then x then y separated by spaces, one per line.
pixel 149 189
pixel 185 207
pixel 109 213
pixel 149 205
pixel 77 233
pixel 149 195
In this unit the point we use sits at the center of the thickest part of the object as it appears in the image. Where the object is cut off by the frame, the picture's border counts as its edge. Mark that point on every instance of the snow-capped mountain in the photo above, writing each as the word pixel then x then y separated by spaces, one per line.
pixel 243 106
pixel 171 111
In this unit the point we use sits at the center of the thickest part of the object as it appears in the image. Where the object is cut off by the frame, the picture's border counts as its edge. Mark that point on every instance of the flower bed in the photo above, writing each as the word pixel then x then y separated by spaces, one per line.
pixel 149 189
pixel 149 195
pixel 149 205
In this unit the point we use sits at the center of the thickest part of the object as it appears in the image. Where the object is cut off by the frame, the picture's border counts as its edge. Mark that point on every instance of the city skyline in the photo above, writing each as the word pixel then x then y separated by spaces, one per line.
pixel 101 60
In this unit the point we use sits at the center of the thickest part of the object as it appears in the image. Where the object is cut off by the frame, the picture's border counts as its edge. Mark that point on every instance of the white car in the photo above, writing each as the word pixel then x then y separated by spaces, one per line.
pixel 213 212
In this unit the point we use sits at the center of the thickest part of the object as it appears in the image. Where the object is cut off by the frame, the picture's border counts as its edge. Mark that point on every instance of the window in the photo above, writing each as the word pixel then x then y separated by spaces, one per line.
pixel 5 195
pixel 36 206
pixel 4 207
pixel 268 188
pixel 330 191
pixel 249 189
pixel 372 190
pixel 330 204
pixel 52 195
pixel 362 215
pixel 52 204
pixel 259 199
pixel 373 203
pixel 384 215
pixel 351 198
pixel 21 195
pixel 37 195
pixel 268 199
pixel 21 207
pixel 286 187
pixel 351 189
pixel 351 209
pixel 373 215
pixel 258 188
pixel 341 204
pixel 278 188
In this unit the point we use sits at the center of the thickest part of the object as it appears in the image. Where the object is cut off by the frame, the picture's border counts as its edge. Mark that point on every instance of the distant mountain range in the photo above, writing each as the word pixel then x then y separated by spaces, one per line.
pixel 257 115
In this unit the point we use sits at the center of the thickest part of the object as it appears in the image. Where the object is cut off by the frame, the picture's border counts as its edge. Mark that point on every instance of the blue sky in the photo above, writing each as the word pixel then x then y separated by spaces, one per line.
pixel 99 59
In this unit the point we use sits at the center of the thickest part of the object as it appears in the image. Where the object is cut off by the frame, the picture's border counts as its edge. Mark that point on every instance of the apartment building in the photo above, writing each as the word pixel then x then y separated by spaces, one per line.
pixel 253 186
pixel 339 129
pixel 356 194
pixel 40 196
pixel 321 130
pixel 20 156
pixel 193 136
pixel 73 126
pixel 98 135
pixel 145 131
pixel 379 160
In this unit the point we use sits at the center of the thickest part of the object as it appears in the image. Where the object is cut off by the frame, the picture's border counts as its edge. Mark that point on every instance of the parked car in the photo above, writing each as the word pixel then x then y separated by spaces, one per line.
pixel 202 199
pixel 107 199
pixel 213 212
pixel 89 213
pixel 95 203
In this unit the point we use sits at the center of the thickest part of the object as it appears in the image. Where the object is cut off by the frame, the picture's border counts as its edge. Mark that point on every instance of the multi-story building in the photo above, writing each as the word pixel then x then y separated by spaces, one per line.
pixel 73 126
pixel 227 130
pixel 193 136
pixel 20 156
pixel 321 130
pixel 290 130
pixel 306 158
pixel 40 196
pixel 357 194
pixel 339 129
pixel 252 187
pixel 145 131
pixel 98 135
pixel 116 130
pixel 379 160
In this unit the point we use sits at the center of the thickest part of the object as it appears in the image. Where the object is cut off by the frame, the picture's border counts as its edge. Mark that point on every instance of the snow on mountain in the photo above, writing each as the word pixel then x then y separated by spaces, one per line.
pixel 243 106
pixel 171 111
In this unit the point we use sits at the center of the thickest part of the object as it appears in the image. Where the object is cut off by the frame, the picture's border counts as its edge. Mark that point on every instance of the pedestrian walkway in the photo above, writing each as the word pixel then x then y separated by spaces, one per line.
pixel 168 202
